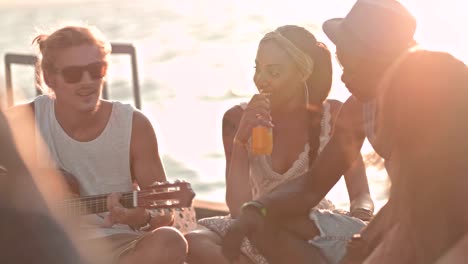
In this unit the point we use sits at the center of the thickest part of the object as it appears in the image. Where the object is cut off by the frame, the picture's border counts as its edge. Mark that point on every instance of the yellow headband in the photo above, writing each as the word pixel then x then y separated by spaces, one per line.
pixel 303 61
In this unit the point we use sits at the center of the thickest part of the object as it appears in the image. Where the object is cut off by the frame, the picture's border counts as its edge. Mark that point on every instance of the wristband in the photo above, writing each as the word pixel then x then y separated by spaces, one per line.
pixel 258 206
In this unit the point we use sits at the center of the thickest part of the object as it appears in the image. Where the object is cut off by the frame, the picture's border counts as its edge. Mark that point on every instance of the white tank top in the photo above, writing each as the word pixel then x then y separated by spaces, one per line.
pixel 101 165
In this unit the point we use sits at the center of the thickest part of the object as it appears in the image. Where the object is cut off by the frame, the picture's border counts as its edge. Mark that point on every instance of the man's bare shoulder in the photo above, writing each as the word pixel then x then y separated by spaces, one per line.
pixel 141 123
pixel 143 136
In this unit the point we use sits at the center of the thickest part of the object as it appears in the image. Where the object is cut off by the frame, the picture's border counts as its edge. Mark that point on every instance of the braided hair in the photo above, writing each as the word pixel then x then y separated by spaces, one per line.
pixel 318 83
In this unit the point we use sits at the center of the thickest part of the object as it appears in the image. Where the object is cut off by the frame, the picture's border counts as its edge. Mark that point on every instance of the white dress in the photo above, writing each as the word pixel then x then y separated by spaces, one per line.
pixel 263 179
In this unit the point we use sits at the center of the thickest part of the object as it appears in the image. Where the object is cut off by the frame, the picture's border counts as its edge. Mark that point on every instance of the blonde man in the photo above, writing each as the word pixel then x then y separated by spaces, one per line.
pixel 105 145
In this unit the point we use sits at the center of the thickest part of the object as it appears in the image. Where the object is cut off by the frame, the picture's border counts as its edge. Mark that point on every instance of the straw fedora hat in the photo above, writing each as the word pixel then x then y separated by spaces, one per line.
pixel 379 28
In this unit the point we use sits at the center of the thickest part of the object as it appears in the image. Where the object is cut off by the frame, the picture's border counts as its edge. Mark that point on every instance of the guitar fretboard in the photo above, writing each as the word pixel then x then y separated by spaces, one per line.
pixel 156 196
pixel 93 204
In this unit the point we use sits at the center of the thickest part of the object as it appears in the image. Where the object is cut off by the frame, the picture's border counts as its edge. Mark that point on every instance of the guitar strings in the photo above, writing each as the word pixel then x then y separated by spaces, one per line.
pixel 140 193
pixel 79 203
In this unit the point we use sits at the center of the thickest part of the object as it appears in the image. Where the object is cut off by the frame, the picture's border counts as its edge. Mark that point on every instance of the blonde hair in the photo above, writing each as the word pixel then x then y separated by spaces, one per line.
pixel 67 36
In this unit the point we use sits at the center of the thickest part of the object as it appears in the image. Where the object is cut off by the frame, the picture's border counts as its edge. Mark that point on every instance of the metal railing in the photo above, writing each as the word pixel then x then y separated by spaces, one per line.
pixel 10 59
pixel 28 59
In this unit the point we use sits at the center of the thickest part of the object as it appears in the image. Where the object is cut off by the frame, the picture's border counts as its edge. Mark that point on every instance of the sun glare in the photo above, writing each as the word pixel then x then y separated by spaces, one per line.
pixel 199 55
pixel 441 25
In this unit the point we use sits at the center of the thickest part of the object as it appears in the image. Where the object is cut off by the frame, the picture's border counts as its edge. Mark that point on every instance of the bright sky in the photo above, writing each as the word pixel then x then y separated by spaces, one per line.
pixel 438 20
pixel 42 2
pixel 442 25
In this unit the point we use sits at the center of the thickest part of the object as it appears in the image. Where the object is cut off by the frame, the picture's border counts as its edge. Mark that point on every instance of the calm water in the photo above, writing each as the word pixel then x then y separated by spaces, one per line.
pixel 195 60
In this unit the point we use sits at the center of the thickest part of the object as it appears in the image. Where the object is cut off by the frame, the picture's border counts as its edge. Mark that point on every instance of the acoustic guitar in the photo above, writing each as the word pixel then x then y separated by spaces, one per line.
pixel 160 195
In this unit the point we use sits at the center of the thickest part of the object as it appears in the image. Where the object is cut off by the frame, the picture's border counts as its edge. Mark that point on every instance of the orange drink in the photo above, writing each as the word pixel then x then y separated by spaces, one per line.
pixel 262 140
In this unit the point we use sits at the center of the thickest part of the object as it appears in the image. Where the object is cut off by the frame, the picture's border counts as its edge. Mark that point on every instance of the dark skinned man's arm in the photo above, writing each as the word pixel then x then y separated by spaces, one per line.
pixel 296 197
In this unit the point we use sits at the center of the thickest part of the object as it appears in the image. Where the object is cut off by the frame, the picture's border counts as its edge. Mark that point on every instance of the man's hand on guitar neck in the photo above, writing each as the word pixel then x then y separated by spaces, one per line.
pixel 134 217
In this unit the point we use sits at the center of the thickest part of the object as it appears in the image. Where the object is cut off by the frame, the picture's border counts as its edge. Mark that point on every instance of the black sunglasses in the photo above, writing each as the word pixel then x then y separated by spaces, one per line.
pixel 74 74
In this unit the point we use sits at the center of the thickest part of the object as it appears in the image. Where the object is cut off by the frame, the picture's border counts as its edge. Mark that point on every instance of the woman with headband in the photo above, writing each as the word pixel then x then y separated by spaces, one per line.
pixel 293 74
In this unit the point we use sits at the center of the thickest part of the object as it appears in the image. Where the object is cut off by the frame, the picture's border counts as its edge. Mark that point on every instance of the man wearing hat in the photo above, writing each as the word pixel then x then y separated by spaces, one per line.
pixel 372 36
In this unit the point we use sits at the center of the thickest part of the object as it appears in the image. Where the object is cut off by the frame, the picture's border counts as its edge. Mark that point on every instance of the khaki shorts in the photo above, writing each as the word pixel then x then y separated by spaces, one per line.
pixel 110 248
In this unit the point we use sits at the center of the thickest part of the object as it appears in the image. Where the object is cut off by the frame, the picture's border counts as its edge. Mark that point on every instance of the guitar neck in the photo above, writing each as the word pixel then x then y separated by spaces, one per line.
pixel 93 204
pixel 156 196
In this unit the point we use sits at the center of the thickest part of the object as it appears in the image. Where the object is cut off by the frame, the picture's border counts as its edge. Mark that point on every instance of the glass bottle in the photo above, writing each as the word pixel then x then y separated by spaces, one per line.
pixel 262 139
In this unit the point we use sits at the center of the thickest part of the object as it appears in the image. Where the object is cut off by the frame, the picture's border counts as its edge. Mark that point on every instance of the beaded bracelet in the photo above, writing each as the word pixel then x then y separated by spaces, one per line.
pixel 258 206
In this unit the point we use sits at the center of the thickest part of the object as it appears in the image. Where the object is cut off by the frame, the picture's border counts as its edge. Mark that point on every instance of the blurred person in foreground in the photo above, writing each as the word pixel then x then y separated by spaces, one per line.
pixel 456 254
pixel 104 146
pixel 30 231
pixel 419 105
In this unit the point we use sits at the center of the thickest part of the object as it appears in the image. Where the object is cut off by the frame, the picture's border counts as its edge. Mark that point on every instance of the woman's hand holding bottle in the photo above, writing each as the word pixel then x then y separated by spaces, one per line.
pixel 257 114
